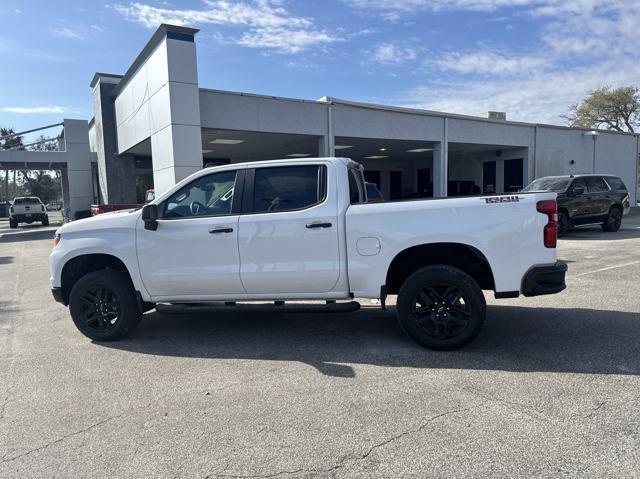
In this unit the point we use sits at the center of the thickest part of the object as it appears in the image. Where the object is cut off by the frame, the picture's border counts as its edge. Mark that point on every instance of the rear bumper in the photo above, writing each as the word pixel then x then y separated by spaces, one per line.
pixel 546 279
pixel 23 218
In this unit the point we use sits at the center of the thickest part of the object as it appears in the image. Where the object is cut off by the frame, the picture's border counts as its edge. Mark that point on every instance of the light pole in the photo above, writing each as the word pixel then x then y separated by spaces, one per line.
pixel 593 134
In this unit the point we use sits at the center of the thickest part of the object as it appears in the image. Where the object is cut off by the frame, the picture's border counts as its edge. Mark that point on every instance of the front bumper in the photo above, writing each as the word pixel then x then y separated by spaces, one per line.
pixel 547 279
pixel 57 295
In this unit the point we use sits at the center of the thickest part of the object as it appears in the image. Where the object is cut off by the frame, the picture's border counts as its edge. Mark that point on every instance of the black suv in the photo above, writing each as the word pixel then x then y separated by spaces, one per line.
pixel 586 200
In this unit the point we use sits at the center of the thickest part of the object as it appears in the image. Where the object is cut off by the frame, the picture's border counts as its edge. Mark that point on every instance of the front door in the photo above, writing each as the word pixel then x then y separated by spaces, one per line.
pixel 288 236
pixel 513 175
pixel 194 251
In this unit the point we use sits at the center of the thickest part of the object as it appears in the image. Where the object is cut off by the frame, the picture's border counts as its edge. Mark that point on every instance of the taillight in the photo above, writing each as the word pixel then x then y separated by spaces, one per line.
pixel 42 206
pixel 549 208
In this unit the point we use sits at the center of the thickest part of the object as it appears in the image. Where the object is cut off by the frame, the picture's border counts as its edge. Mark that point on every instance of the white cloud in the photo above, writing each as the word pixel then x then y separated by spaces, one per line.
pixel 65 33
pixel 489 63
pixel 34 109
pixel 97 28
pixel 538 7
pixel 392 54
pixel 541 97
pixel 267 23
pixel 580 45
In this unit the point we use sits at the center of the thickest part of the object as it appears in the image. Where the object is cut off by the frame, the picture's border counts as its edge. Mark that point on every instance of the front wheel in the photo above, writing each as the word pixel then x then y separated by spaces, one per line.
pixel 103 305
pixel 613 221
pixel 441 307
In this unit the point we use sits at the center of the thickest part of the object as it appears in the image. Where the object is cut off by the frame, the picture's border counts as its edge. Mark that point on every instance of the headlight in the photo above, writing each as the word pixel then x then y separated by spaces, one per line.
pixel 56 239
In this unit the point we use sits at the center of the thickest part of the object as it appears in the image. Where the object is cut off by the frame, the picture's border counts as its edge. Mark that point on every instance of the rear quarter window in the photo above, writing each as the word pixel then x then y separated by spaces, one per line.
pixel 615 183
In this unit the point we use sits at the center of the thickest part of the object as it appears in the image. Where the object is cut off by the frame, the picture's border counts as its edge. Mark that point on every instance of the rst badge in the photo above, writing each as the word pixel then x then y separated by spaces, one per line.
pixel 502 199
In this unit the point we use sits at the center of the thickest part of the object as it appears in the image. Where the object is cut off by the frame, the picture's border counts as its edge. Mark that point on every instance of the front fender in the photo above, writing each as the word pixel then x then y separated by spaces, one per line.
pixel 119 244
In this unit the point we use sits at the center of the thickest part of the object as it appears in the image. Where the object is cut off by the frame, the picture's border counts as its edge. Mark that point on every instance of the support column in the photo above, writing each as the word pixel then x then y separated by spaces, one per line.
pixel 176 142
pixel 441 165
pixel 79 180
pixel 116 172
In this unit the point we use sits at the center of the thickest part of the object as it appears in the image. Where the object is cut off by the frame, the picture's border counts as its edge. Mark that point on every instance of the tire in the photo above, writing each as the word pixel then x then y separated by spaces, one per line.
pixel 613 221
pixel 45 221
pixel 112 293
pixel 13 224
pixel 427 301
pixel 564 223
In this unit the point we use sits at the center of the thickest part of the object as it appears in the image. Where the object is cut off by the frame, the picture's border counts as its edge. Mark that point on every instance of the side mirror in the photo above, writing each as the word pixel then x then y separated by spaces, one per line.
pixel 577 191
pixel 150 217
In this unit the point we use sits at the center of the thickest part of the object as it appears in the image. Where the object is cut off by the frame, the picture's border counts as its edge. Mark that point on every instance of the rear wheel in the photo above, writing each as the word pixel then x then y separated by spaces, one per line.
pixel 45 221
pixel 103 305
pixel 613 221
pixel 564 223
pixel 441 307
pixel 13 224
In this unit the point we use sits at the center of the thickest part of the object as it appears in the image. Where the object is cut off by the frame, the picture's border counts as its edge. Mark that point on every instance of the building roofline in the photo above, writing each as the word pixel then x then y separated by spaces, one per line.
pixel 154 41
pixel 326 100
pixel 418 111
pixel 99 75
pixel 258 95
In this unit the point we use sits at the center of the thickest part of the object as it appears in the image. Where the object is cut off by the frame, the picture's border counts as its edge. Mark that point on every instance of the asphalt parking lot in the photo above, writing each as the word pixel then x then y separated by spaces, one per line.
pixel 550 388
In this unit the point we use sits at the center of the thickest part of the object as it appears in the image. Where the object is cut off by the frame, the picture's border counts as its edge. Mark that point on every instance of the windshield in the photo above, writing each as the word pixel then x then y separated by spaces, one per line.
pixel 557 185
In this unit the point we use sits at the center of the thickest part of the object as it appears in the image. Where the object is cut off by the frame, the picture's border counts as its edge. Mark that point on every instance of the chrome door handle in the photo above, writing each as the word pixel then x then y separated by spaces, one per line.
pixel 319 225
pixel 214 231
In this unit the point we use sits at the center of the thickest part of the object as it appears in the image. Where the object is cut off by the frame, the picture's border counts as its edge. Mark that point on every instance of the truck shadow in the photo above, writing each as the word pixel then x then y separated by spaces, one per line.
pixel 31 235
pixel 519 339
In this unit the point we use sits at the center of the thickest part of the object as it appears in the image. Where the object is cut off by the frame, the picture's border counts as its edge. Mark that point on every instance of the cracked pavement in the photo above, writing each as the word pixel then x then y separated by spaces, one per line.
pixel 551 387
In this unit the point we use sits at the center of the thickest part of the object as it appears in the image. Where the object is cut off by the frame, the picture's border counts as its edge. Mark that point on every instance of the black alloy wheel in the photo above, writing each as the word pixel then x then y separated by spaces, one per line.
pixel 613 221
pixel 100 308
pixel 441 311
pixel 103 305
pixel 441 307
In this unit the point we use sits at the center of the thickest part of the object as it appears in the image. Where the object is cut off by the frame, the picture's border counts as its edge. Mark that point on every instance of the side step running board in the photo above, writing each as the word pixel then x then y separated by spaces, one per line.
pixel 278 307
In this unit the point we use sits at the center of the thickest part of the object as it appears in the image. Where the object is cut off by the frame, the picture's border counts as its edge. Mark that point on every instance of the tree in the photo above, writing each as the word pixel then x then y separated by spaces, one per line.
pixel 40 183
pixel 613 109
pixel 43 143
pixel 9 143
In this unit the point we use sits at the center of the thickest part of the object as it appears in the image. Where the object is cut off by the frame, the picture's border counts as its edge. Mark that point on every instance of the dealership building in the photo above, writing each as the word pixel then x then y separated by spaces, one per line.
pixel 154 125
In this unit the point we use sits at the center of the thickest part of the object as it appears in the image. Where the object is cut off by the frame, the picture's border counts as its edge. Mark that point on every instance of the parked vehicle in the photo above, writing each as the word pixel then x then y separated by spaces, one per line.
pixel 302 230
pixel 374 195
pixel 54 206
pixel 110 208
pixel 586 200
pixel 27 209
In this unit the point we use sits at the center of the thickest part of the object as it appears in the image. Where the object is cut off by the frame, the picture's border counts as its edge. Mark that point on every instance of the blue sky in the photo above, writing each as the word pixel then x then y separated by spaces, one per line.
pixel 531 58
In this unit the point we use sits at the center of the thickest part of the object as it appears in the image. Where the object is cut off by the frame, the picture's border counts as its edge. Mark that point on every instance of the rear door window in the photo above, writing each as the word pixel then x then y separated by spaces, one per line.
pixel 288 188
pixel 595 184
pixel 615 183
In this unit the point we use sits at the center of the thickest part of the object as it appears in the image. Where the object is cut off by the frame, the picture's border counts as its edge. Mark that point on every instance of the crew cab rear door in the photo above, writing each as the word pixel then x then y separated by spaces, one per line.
pixel 288 232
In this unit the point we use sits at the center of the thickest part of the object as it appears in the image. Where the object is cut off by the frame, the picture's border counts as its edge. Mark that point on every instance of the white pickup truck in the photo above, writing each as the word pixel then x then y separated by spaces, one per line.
pixel 302 230
pixel 27 209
